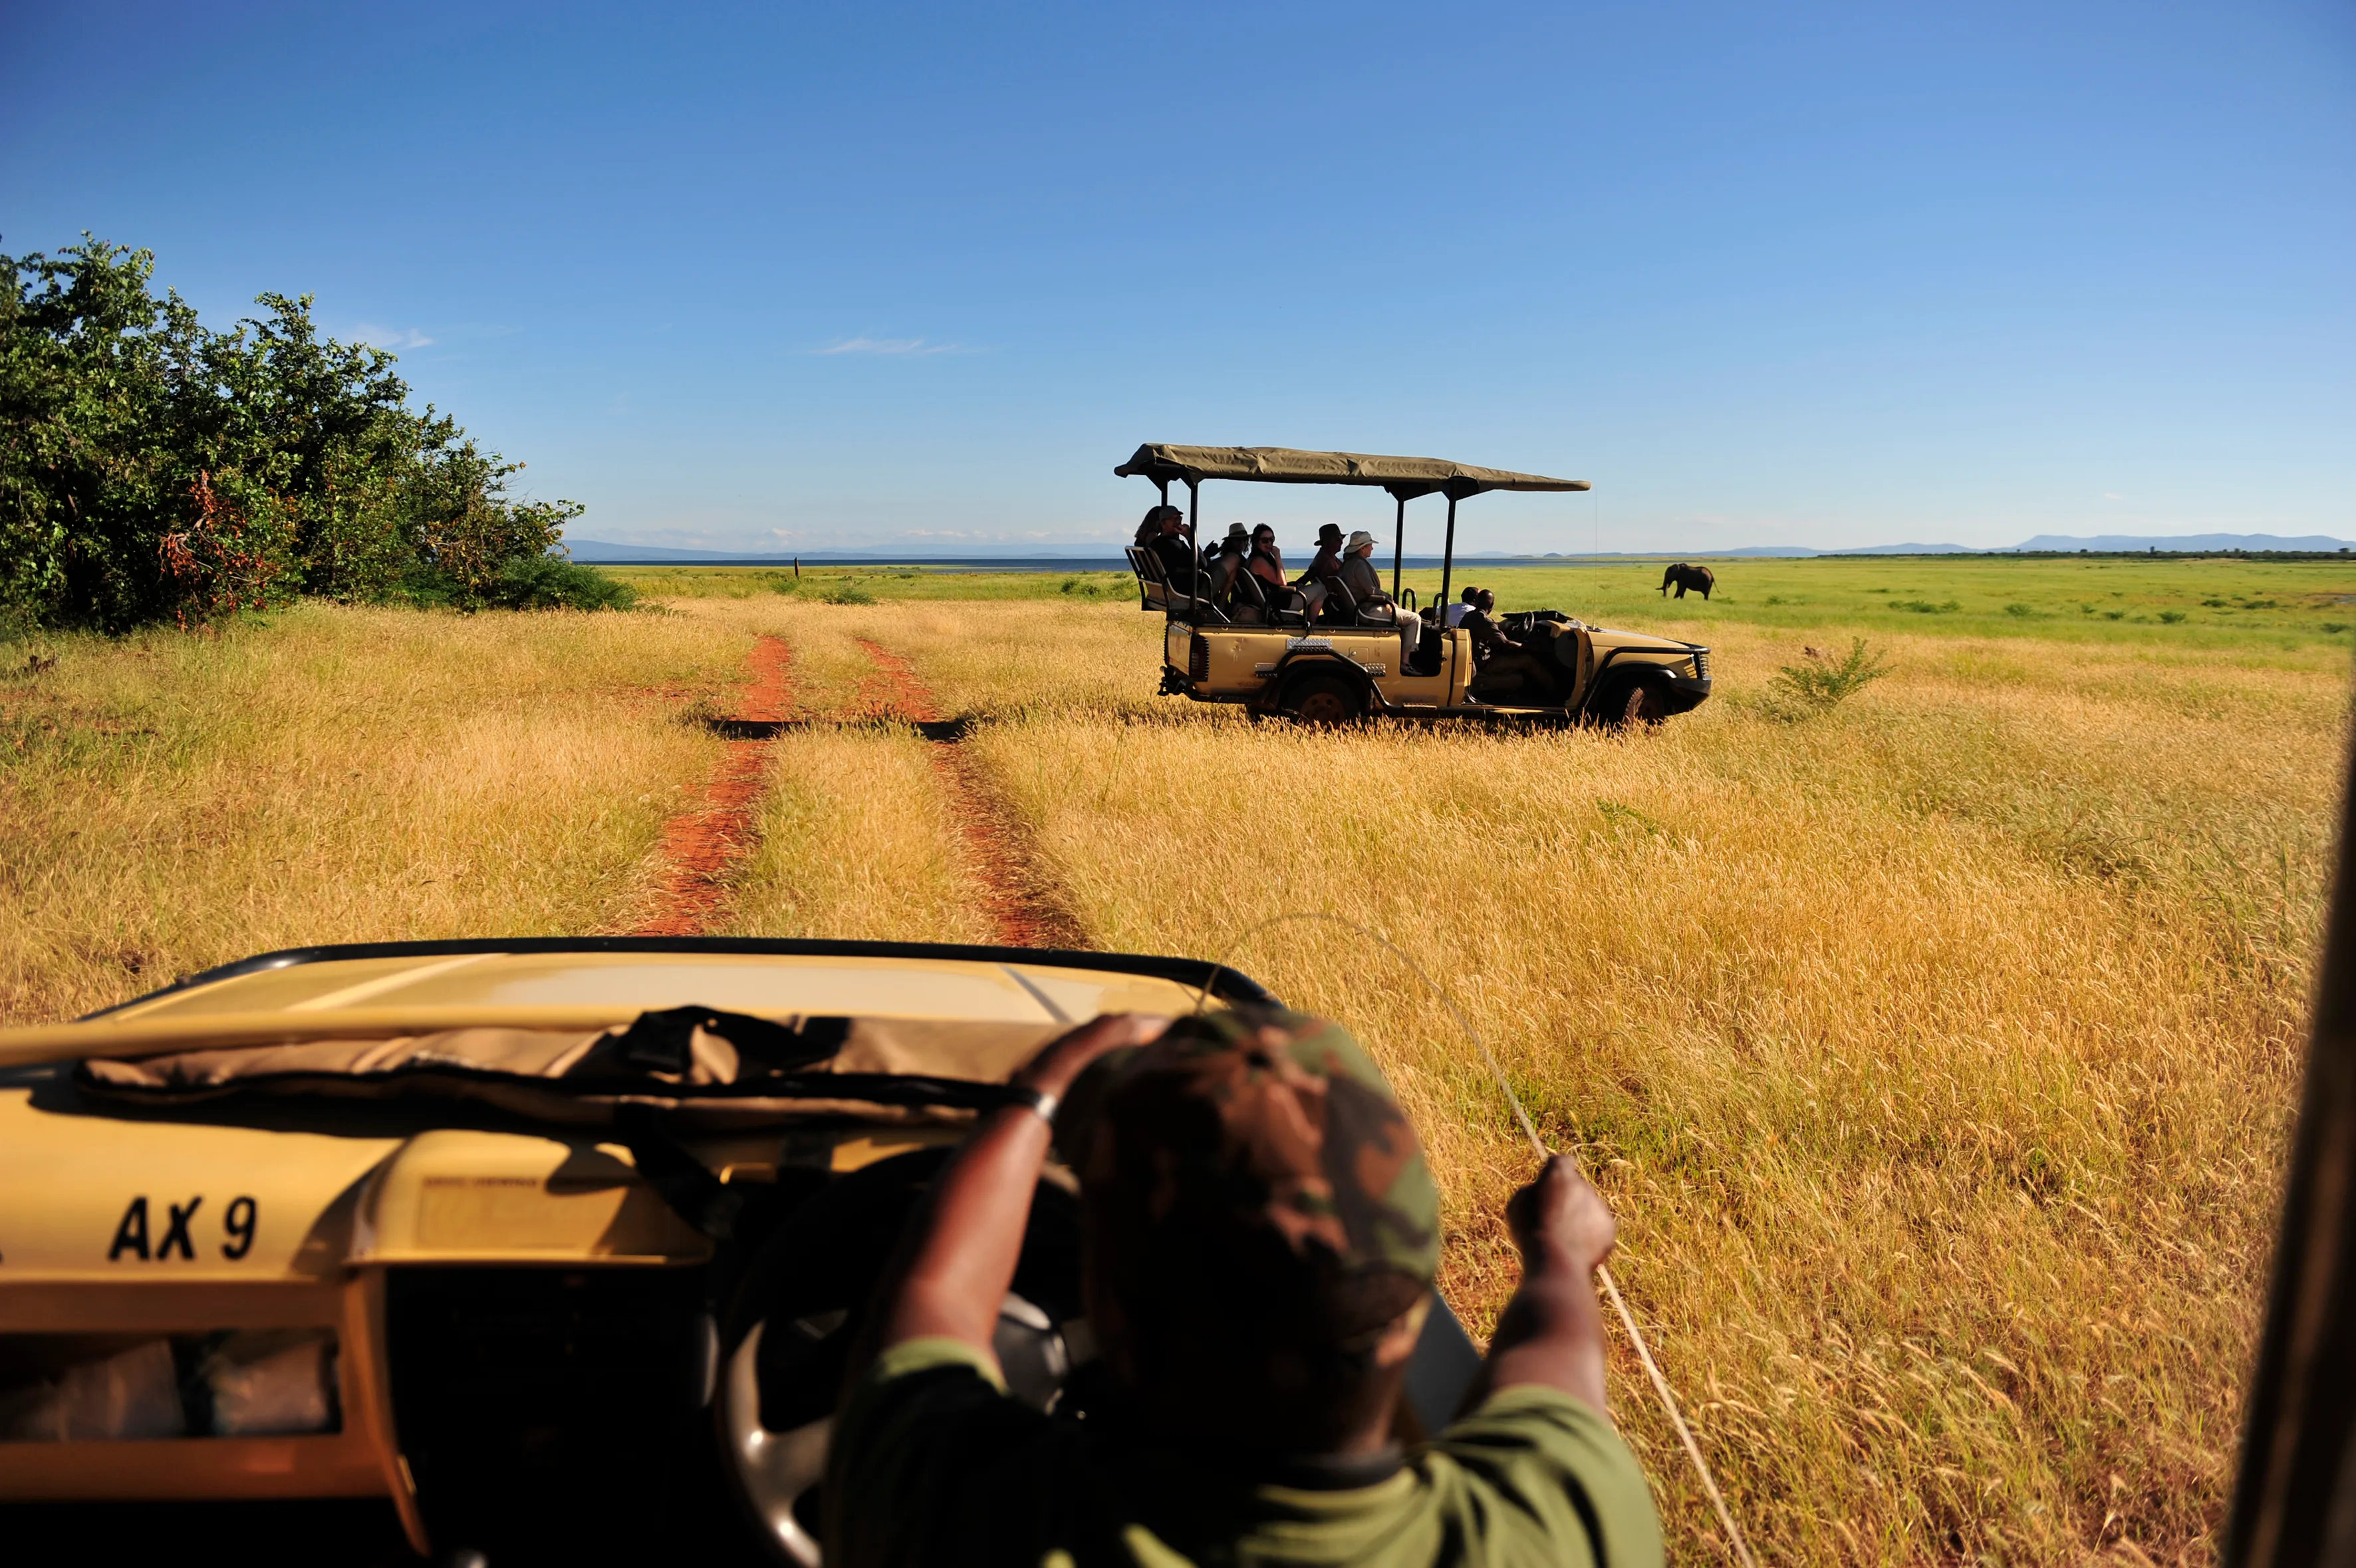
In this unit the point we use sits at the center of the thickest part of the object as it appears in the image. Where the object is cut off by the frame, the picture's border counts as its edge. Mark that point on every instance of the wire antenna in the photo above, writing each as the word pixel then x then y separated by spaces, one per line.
pixel 1742 1548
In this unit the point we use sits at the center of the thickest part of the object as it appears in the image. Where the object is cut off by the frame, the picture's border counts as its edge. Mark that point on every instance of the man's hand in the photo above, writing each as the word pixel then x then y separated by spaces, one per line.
pixel 1560 1217
pixel 1551 1333
pixel 960 1258
pixel 1062 1060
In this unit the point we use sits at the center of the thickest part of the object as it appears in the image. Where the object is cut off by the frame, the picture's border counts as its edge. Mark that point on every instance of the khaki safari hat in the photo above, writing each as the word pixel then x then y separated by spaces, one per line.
pixel 1358 540
pixel 1247 1159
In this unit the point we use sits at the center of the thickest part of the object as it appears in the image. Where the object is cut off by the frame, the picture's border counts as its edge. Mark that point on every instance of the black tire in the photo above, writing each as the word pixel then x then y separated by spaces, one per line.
pixel 1324 701
pixel 1635 702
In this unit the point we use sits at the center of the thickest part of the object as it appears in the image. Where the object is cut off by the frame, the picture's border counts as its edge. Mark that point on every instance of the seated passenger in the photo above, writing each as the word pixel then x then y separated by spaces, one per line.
pixel 1324 568
pixel 1225 560
pixel 1466 605
pixel 1151 529
pixel 1266 563
pixel 1174 551
pixel 1365 582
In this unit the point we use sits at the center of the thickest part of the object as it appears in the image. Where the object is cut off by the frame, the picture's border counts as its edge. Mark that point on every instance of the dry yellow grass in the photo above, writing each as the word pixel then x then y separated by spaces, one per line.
pixel 172 803
pixel 1936 1054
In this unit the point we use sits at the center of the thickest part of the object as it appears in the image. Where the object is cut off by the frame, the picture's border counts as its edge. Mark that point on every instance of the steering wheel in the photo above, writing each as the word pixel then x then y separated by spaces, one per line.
pixel 803 1303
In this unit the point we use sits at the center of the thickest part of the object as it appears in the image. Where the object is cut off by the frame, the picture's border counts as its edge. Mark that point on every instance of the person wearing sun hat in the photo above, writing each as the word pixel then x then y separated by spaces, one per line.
pixel 1324 567
pixel 1259 1234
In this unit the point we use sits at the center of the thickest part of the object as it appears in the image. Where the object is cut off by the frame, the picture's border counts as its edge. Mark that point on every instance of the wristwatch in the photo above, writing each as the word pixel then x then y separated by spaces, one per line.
pixel 1037 1100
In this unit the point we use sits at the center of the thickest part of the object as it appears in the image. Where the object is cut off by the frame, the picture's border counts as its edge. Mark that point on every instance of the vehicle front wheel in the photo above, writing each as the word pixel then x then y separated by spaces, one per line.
pixel 1641 703
pixel 1324 701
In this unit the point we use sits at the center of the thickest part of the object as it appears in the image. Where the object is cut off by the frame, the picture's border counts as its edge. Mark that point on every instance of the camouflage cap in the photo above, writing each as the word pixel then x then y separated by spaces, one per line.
pixel 1239 1129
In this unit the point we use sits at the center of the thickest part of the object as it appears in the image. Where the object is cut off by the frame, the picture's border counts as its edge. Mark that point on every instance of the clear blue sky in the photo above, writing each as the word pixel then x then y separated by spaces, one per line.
pixel 881 275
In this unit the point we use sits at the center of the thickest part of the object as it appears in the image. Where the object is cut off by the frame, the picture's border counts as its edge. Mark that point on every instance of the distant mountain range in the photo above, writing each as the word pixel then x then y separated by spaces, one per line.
pixel 598 552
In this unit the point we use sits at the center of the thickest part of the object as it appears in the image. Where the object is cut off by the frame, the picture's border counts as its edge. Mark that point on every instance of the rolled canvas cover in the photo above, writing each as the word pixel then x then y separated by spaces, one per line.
pixel 725 1068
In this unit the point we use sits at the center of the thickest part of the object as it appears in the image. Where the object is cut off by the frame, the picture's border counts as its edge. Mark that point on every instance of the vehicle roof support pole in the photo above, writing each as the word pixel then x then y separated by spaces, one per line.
pixel 1448 561
pixel 1194 516
pixel 1398 546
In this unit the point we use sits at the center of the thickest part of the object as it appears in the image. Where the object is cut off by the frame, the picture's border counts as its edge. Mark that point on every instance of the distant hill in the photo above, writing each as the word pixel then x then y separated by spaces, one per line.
pixel 2184 542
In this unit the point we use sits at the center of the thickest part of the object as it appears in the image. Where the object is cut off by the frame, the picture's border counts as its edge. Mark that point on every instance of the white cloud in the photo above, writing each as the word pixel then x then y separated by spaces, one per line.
pixel 915 347
pixel 2113 496
pixel 390 336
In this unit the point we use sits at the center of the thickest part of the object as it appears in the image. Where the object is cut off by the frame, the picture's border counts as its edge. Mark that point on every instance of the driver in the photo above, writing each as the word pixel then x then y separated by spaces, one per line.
pixel 1501 665
pixel 1260 1235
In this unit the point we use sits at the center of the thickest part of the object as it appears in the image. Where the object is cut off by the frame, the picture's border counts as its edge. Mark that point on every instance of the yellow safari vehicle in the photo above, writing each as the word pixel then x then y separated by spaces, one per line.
pixel 554 1246
pixel 1229 642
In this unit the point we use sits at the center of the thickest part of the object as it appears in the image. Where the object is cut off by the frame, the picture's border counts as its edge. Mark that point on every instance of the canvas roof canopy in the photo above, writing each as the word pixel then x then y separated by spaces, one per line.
pixel 1405 478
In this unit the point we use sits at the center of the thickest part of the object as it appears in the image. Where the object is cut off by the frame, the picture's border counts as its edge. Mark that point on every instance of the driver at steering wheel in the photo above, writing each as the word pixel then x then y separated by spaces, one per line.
pixel 1259 1237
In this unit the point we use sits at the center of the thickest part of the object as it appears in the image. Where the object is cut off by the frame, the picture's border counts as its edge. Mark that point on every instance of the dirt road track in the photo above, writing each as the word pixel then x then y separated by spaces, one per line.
pixel 1026 907
pixel 698 845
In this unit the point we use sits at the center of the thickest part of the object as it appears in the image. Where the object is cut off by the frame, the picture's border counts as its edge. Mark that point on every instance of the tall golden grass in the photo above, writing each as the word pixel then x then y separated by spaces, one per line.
pixel 168 802
pixel 1936 1054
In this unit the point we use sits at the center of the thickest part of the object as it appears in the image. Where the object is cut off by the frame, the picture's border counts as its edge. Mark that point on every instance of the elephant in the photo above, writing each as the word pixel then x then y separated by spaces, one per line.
pixel 1698 578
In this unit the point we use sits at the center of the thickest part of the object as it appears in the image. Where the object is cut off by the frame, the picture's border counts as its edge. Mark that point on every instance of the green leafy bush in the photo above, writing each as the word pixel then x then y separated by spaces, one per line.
pixel 152 469
pixel 2023 611
pixel 1926 607
pixel 847 595
pixel 2171 616
pixel 553 583
pixel 1821 682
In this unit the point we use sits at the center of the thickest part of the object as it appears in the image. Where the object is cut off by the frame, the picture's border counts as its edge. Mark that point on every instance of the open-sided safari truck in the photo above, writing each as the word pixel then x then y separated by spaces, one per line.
pixel 555 1245
pixel 1350 662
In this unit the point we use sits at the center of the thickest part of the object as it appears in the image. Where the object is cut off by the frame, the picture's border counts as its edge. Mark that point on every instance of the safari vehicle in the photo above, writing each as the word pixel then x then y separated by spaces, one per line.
pixel 1352 662
pixel 556 1246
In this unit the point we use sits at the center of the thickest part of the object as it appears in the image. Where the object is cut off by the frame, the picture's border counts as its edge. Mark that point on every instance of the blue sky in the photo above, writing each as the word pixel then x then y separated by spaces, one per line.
pixel 890 276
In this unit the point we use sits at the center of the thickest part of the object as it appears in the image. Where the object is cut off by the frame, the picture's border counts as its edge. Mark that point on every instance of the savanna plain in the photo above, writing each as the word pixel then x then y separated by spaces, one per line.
pixel 1936 1051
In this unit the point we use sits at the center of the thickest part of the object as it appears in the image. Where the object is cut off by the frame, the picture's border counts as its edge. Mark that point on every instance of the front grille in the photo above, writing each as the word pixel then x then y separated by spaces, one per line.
pixel 1198 658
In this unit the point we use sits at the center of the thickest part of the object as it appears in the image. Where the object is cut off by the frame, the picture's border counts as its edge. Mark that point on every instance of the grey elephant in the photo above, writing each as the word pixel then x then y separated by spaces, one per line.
pixel 1698 578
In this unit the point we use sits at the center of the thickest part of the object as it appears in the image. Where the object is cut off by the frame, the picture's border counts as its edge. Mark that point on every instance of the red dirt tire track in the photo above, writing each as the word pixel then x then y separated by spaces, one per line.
pixel 699 846
pixel 1026 906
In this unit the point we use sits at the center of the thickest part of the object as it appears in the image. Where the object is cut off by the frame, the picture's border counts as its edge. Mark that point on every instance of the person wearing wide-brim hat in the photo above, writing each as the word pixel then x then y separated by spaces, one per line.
pixel 1222 560
pixel 1359 573
pixel 1324 569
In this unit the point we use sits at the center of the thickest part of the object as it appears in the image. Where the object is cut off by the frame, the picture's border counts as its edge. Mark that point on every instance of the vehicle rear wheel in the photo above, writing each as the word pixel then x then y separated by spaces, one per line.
pixel 1324 701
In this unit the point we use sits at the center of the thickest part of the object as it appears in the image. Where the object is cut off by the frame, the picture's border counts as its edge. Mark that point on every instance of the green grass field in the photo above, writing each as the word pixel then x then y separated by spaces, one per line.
pixel 2225 602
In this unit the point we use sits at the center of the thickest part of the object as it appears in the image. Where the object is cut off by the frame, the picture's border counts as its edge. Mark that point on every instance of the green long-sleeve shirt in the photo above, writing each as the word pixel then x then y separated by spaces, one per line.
pixel 934 1463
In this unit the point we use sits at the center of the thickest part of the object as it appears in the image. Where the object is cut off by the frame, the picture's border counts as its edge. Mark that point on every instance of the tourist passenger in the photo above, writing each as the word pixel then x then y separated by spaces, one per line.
pixel 1176 550
pixel 1259 1236
pixel 1324 569
pixel 1265 563
pixel 1468 602
pixel 1359 572
pixel 1223 560
pixel 1151 529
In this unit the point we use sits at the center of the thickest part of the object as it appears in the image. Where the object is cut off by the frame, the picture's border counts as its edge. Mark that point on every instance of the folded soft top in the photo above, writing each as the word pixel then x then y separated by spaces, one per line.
pixel 716 1067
